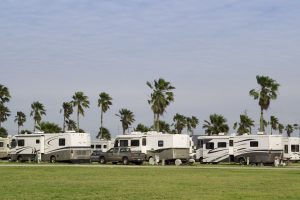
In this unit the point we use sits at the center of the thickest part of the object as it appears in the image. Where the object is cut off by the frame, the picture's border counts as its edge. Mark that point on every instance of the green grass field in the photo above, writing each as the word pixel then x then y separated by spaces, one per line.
pixel 110 182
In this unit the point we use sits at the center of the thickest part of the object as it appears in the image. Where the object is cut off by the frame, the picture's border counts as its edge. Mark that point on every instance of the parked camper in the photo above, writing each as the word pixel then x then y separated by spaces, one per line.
pixel 4 147
pixel 52 147
pixel 291 148
pixel 255 148
pixel 168 147
pixel 213 149
pixel 102 145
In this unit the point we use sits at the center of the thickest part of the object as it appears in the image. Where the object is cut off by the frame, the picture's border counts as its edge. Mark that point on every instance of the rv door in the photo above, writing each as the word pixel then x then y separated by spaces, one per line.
pixel 230 149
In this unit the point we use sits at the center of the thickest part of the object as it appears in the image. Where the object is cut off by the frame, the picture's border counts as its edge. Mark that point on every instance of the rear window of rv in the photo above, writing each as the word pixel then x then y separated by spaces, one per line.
pixel 21 143
pixel 253 144
pixel 1 144
pixel 92 146
pixel 123 143
pixel 210 145
pixel 295 148
pixel 62 142
pixel 37 141
pixel 135 143
pixel 160 143
pixel 222 145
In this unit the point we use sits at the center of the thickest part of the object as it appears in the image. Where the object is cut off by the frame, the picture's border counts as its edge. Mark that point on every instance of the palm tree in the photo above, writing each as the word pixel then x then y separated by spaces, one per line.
pixel 71 125
pixel 104 133
pixel 274 123
pixel 191 123
pixel 289 130
pixel 3 132
pixel 4 94
pixel 268 91
pixel 280 128
pixel 180 122
pixel 20 119
pixel 216 125
pixel 4 113
pixel 245 124
pixel 67 109
pixel 297 127
pixel 163 127
pixel 104 102
pixel 80 101
pixel 49 127
pixel 142 128
pixel 37 111
pixel 161 97
pixel 126 117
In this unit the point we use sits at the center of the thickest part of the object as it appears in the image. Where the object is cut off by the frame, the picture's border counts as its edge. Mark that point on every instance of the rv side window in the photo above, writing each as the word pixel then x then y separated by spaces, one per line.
pixel 253 144
pixel 1 144
pixel 221 144
pixel 13 143
pixel 37 141
pixel 144 142
pixel 104 146
pixel 135 143
pixel 160 143
pixel 286 149
pixel 98 146
pixel 210 145
pixel 123 143
pixel 231 143
pixel 61 141
pixel 21 143
pixel 295 148
pixel 92 146
pixel 116 143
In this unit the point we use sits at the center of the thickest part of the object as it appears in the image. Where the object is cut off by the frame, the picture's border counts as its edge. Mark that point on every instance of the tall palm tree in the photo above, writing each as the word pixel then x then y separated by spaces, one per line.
pixel 4 113
pixel 67 109
pixel 126 117
pixel 274 123
pixel 37 111
pixel 215 125
pixel 267 92
pixel 20 119
pixel 104 102
pixel 180 122
pixel 4 94
pixel 280 128
pixel 245 124
pixel 191 123
pixel 161 97
pixel 289 130
pixel 80 101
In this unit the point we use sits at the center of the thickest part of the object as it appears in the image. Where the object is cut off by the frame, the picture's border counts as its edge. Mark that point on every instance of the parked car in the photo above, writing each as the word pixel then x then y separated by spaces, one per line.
pixel 123 155
pixel 95 156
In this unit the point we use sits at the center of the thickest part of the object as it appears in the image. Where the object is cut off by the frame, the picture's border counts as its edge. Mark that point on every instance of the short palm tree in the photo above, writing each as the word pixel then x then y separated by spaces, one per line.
pixel 215 125
pixel 67 109
pixel 142 128
pixel 104 102
pixel 37 111
pixel 191 123
pixel 280 128
pixel 20 119
pixel 274 123
pixel 4 113
pixel 267 92
pixel 4 94
pixel 80 101
pixel 161 97
pixel 104 133
pixel 245 124
pixel 71 125
pixel 180 123
pixel 49 127
pixel 164 127
pixel 126 117
pixel 289 130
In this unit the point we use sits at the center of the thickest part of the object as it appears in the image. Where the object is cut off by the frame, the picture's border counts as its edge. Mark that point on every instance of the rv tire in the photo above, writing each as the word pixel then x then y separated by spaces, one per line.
pixel 102 160
pixel 125 161
pixel 19 159
pixel 242 161
pixel 52 159
pixel 201 160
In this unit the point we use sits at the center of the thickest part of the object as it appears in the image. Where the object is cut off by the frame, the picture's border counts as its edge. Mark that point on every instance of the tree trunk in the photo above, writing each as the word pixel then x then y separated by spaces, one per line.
pixel 34 126
pixel 18 129
pixel 64 124
pixel 154 121
pixel 101 124
pixel 262 127
pixel 157 122
pixel 78 119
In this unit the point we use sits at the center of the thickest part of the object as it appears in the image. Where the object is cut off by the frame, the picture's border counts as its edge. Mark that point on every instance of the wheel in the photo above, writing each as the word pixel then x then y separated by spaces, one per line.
pixel 125 161
pixel 52 159
pixel 102 160
pixel 19 159
pixel 242 161
pixel 178 162
pixel 151 161
pixel 201 160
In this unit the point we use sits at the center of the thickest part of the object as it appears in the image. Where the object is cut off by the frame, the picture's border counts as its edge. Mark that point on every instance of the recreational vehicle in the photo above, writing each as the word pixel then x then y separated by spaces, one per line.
pixel 255 148
pixel 102 145
pixel 52 147
pixel 160 146
pixel 291 148
pixel 4 147
pixel 213 149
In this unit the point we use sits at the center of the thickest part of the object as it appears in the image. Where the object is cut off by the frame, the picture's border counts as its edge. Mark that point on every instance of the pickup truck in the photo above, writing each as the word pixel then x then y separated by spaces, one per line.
pixel 123 155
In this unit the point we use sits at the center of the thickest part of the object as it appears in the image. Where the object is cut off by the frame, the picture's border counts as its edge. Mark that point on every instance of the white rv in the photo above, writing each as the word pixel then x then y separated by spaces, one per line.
pixel 155 144
pixel 4 147
pixel 291 148
pixel 52 147
pixel 213 149
pixel 102 144
pixel 255 148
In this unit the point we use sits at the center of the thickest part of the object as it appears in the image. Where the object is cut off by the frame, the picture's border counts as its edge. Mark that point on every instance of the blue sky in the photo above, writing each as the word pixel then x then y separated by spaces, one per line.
pixel 210 51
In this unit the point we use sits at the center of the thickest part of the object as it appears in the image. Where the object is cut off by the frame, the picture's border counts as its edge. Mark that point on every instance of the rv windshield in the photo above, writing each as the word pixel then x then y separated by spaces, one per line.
pixel 13 143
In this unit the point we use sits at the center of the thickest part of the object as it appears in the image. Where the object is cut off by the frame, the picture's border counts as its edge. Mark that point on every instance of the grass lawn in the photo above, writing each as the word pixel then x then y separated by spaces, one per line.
pixel 79 182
